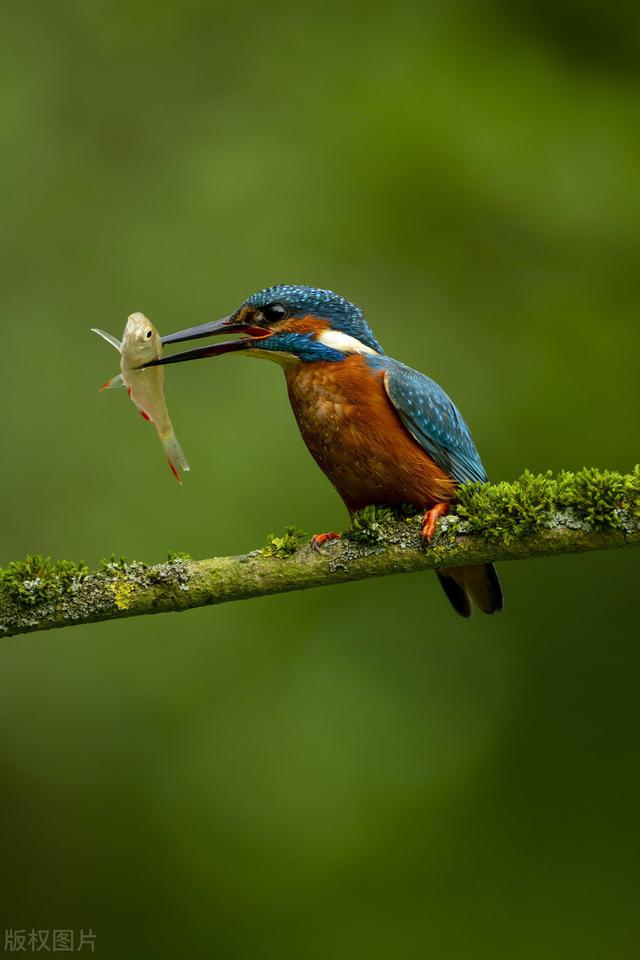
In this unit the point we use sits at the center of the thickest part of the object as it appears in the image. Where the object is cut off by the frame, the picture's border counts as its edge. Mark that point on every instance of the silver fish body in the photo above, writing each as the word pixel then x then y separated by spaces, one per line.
pixel 140 344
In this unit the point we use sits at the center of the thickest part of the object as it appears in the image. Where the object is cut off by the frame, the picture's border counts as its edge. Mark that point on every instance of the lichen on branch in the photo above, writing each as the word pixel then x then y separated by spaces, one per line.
pixel 534 516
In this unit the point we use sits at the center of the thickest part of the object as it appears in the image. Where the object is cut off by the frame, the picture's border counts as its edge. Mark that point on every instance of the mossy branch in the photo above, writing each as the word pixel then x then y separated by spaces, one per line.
pixel 535 516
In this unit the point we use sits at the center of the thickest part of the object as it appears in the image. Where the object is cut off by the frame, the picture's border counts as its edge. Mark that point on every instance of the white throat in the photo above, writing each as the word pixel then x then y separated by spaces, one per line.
pixel 343 342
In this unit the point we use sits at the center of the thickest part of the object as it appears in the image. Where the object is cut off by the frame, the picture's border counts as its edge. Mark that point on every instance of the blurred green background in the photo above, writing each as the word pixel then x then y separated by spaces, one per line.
pixel 355 771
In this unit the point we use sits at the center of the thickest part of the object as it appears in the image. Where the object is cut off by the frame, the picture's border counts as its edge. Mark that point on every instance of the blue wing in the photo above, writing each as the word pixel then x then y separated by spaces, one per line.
pixel 433 420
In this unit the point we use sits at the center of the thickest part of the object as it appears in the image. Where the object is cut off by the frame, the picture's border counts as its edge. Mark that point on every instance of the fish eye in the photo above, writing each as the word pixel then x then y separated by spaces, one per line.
pixel 149 334
pixel 274 312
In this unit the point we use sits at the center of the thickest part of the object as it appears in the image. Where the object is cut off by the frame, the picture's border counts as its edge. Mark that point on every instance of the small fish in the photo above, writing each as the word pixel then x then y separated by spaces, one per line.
pixel 141 343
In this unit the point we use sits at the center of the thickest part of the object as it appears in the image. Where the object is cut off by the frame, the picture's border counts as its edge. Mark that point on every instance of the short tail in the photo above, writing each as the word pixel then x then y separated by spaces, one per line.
pixel 175 456
pixel 480 584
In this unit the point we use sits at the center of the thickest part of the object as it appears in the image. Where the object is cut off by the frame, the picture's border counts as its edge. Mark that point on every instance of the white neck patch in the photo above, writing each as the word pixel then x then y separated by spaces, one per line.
pixel 343 342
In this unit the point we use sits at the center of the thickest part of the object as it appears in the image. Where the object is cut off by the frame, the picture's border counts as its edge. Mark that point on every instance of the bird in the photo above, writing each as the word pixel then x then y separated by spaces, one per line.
pixel 382 432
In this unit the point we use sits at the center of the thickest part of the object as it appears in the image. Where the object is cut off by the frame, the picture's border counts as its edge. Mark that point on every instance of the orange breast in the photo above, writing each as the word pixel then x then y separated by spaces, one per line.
pixel 356 437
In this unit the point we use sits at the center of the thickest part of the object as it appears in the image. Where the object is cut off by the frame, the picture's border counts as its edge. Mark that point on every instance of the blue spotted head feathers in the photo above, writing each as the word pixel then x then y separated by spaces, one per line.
pixel 302 301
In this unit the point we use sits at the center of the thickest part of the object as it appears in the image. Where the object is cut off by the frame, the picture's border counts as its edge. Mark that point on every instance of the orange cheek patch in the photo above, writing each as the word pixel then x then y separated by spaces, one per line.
pixel 309 324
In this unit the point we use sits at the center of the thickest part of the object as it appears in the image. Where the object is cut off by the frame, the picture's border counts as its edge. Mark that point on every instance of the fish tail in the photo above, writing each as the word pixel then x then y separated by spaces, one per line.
pixel 175 456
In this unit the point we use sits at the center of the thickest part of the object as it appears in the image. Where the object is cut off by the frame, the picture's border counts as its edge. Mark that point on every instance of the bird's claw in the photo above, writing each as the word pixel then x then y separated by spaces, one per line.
pixel 319 539
pixel 430 520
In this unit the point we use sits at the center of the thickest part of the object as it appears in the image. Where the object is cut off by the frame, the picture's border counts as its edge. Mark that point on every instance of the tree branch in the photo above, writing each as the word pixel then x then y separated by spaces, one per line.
pixel 532 517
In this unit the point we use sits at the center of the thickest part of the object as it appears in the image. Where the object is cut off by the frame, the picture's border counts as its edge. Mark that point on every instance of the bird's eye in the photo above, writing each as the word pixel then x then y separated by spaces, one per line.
pixel 149 334
pixel 274 312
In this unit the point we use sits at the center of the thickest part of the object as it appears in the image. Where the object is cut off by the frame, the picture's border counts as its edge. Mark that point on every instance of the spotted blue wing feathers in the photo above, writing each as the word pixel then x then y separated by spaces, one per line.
pixel 433 421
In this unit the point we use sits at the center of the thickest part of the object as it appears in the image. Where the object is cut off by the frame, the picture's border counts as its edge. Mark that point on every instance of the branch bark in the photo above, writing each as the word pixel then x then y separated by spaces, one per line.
pixel 377 548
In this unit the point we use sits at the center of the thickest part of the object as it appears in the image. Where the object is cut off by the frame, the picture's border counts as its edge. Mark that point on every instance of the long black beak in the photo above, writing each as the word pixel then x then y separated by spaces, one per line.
pixel 226 325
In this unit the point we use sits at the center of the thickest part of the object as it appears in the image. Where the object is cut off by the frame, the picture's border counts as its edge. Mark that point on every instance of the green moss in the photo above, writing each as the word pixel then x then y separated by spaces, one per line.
pixel 113 564
pixel 600 499
pixel 633 491
pixel 68 572
pixel 285 545
pixel 505 511
pixel 371 525
pixel 37 579
pixel 174 555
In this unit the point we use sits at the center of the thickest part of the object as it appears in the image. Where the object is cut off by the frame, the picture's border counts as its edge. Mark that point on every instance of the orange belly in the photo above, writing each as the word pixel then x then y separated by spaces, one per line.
pixel 357 439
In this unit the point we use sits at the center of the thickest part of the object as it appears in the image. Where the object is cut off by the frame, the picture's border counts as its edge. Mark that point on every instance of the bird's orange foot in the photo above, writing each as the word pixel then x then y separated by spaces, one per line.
pixel 430 519
pixel 319 539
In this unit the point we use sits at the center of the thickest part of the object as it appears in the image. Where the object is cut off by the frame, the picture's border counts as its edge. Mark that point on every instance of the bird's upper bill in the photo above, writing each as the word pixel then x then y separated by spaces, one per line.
pixel 298 322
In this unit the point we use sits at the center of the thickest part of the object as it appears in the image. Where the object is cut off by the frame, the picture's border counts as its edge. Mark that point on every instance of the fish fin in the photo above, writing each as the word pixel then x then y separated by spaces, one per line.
pixel 174 470
pixel 144 414
pixel 175 456
pixel 116 381
pixel 107 336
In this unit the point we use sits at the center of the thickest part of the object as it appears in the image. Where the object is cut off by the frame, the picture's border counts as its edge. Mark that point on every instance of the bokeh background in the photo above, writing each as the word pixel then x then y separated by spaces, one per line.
pixel 354 771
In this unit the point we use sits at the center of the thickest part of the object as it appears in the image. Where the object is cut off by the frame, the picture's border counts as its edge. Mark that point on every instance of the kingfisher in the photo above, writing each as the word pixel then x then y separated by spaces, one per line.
pixel 382 432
